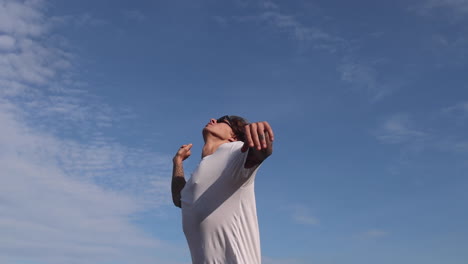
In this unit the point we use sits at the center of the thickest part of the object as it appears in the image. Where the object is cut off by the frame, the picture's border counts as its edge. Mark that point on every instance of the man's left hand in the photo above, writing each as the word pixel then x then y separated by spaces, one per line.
pixel 259 136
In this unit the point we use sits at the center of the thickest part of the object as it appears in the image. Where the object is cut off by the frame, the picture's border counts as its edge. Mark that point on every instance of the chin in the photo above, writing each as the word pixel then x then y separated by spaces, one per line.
pixel 205 130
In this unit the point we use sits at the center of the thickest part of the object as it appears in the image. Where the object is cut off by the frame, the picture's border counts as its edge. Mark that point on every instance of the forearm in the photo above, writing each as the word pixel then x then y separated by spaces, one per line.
pixel 256 156
pixel 178 182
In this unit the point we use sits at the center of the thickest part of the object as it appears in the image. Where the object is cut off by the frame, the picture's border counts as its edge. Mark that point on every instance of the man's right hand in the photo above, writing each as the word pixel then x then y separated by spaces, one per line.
pixel 183 153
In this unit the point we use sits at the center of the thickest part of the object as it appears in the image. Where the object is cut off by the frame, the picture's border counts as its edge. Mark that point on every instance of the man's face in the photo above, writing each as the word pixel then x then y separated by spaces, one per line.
pixel 219 128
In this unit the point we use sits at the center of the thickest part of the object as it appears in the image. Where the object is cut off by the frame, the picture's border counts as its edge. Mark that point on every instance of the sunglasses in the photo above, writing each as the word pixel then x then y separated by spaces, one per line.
pixel 224 119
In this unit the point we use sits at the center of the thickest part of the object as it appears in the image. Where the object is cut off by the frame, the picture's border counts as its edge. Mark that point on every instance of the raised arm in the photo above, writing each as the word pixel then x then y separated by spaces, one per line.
pixel 259 141
pixel 178 179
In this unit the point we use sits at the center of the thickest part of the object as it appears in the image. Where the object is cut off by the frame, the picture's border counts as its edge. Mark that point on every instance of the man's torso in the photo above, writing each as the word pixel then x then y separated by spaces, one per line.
pixel 218 209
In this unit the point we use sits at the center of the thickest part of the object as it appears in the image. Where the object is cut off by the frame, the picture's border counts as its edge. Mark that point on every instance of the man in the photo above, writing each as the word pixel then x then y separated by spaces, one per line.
pixel 219 214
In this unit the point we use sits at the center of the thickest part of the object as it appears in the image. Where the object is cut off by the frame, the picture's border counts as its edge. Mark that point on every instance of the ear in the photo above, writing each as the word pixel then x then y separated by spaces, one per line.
pixel 232 138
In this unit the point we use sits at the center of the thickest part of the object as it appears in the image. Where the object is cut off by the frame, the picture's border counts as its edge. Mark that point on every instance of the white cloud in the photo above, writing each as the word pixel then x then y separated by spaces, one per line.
pixel 457 141
pixel 306 35
pixel 52 209
pixel 302 215
pixel 452 145
pixel 403 129
pixel 11 88
pixel 26 57
pixel 23 73
pixel 46 214
pixel 33 62
pixel 458 7
pixel 374 233
pixel 461 146
pixel 23 19
pixel 449 49
pixel 7 42
pixel 443 41
pixel 297 29
pixel 80 20
pixel 87 19
pixel 365 78
pixel 399 128
pixel 134 15
pixel 459 109
pixel 447 44
pixel 267 4
pixel 220 20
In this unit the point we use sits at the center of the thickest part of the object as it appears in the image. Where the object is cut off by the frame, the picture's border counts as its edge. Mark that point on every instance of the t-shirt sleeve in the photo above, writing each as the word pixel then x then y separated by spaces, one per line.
pixel 246 175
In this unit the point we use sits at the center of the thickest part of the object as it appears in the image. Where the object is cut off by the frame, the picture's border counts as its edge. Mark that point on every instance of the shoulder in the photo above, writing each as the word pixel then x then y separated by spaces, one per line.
pixel 238 160
pixel 232 146
pixel 233 150
pixel 236 144
pixel 235 147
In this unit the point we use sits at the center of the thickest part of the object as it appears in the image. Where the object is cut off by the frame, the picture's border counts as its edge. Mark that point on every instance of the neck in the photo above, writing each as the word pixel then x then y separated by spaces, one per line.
pixel 211 146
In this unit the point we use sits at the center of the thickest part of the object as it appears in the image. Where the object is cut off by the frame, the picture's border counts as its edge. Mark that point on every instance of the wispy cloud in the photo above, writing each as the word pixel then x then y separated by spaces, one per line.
pixel 65 199
pixel 399 128
pixel 50 217
pixel 267 4
pixel 365 78
pixel 447 44
pixel 86 19
pixel 53 213
pixel 80 20
pixel 459 110
pixel 23 19
pixel 134 15
pixel 452 145
pixel 223 21
pixel 403 129
pixel 457 114
pixel 457 7
pixel 302 215
pixel 374 233
pixel 449 48
pixel 7 42
pixel 271 15
pixel 25 57
pixel 291 24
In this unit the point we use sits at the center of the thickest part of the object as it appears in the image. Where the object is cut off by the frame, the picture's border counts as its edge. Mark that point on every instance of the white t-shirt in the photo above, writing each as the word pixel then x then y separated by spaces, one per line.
pixel 219 214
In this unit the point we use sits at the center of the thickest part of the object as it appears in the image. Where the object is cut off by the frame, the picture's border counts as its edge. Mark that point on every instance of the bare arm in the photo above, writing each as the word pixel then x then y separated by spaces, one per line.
pixel 259 141
pixel 178 179
pixel 178 182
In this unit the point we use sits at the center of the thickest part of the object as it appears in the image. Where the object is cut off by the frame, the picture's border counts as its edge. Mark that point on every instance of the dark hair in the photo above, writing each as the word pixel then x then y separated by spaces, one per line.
pixel 237 124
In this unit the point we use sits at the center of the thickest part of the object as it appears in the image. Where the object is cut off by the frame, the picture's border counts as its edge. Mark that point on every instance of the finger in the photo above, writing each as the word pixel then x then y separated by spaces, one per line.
pixel 186 146
pixel 269 130
pixel 269 149
pixel 189 146
pixel 268 140
pixel 261 135
pixel 248 137
pixel 267 137
pixel 254 134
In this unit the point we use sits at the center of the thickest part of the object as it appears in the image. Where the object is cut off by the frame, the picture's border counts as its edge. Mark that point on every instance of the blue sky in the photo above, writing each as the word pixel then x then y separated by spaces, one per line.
pixel 368 100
